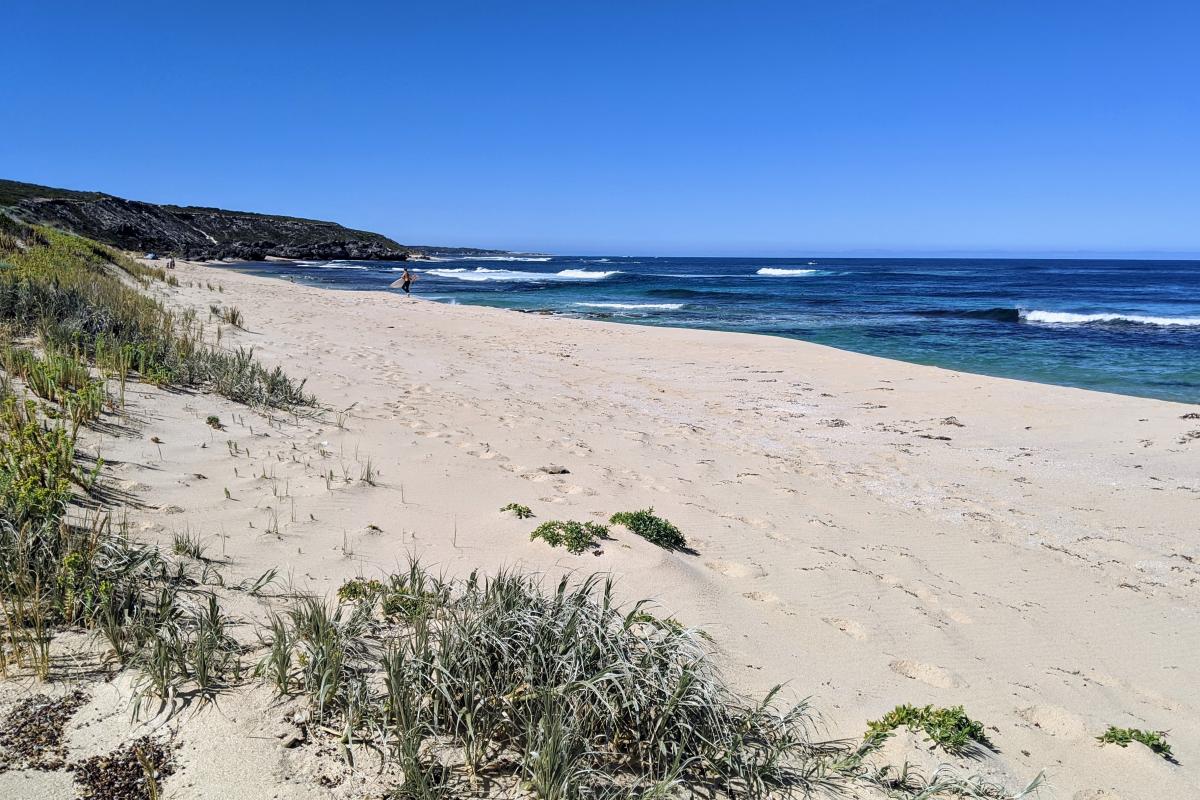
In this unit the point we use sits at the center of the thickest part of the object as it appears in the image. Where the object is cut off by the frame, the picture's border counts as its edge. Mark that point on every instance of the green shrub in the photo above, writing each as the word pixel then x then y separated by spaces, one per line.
pixel 519 511
pixel 1155 740
pixel 358 589
pixel 401 597
pixel 949 728
pixel 575 536
pixel 37 466
pixel 652 528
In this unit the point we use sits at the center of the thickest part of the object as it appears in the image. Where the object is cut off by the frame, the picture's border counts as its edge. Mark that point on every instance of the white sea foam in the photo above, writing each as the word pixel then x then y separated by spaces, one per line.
pixel 586 274
pixel 1067 318
pixel 635 306
pixel 777 272
pixel 485 274
pixel 505 258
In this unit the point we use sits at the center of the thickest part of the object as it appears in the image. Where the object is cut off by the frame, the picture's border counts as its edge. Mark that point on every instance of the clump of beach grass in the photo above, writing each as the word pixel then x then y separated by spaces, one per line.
pixel 651 527
pixel 559 689
pixel 228 314
pixel 581 694
pixel 187 544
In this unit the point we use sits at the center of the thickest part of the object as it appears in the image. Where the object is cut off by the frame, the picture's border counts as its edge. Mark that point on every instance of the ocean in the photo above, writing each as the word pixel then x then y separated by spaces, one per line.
pixel 1124 326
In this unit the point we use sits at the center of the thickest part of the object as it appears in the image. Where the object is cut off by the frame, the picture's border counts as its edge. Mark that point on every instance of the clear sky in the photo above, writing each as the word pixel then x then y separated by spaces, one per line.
pixel 651 127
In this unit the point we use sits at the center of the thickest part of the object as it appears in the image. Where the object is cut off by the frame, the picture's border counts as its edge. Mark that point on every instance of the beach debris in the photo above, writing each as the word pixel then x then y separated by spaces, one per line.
pixel 1191 415
pixel 555 469
pixel 133 772
pixel 293 736
pixel 31 736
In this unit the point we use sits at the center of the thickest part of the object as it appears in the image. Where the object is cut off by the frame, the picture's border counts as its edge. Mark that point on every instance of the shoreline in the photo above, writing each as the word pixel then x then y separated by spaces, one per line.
pixel 616 318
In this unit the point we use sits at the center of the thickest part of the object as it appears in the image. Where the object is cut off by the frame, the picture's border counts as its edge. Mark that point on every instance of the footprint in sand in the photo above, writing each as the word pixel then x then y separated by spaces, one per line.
pixel 729 569
pixel 761 597
pixel 1055 721
pixel 958 616
pixel 929 674
pixel 848 626
pixel 1095 794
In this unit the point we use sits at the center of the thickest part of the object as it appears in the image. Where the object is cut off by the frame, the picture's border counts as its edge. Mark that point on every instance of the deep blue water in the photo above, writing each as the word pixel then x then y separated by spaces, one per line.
pixel 1126 326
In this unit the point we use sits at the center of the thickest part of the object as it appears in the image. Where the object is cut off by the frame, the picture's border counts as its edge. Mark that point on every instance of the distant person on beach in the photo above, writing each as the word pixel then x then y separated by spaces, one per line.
pixel 405 281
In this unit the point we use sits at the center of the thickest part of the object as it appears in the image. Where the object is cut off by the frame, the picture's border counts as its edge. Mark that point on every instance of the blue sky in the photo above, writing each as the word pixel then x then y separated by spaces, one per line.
pixel 652 127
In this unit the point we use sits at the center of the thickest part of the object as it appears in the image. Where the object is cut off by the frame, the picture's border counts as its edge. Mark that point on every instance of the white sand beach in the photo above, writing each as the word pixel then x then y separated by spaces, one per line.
pixel 867 531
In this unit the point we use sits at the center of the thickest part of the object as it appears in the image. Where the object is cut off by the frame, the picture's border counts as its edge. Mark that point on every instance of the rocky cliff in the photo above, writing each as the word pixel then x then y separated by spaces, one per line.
pixel 194 232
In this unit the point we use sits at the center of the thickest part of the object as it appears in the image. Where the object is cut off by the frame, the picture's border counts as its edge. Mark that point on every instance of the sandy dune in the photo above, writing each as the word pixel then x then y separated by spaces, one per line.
pixel 870 531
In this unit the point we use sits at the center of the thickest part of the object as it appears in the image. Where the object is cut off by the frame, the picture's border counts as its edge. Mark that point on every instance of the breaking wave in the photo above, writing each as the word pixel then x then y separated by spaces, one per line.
pixel 635 306
pixel 1067 318
pixel 1059 317
pixel 782 272
pixel 484 274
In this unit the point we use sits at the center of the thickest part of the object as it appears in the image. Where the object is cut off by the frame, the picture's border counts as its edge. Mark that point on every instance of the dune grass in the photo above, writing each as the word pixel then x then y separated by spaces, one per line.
pixel 81 297
pixel 560 690
pixel 61 565
pixel 581 693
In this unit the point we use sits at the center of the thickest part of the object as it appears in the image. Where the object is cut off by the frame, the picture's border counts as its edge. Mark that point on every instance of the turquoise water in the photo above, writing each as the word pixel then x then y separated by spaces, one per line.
pixel 1126 326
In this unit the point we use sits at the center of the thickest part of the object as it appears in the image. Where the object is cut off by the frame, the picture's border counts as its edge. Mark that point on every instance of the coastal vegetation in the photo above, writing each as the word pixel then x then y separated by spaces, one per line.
pixel 519 511
pixel 651 527
pixel 230 315
pixel 74 325
pixel 575 536
pixel 949 728
pixel 80 297
pixel 1155 740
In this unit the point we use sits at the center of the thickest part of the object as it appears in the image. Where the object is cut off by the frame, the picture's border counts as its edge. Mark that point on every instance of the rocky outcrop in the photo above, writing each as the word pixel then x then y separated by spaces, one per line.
pixel 193 232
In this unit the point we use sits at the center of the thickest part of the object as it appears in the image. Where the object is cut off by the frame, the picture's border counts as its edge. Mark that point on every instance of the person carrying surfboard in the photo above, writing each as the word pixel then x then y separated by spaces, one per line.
pixel 405 281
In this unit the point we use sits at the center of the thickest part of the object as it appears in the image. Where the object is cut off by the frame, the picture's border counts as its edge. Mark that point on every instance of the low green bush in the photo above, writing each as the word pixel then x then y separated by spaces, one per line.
pixel 1155 740
pixel 651 527
pixel 949 728
pixel 518 510
pixel 575 536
